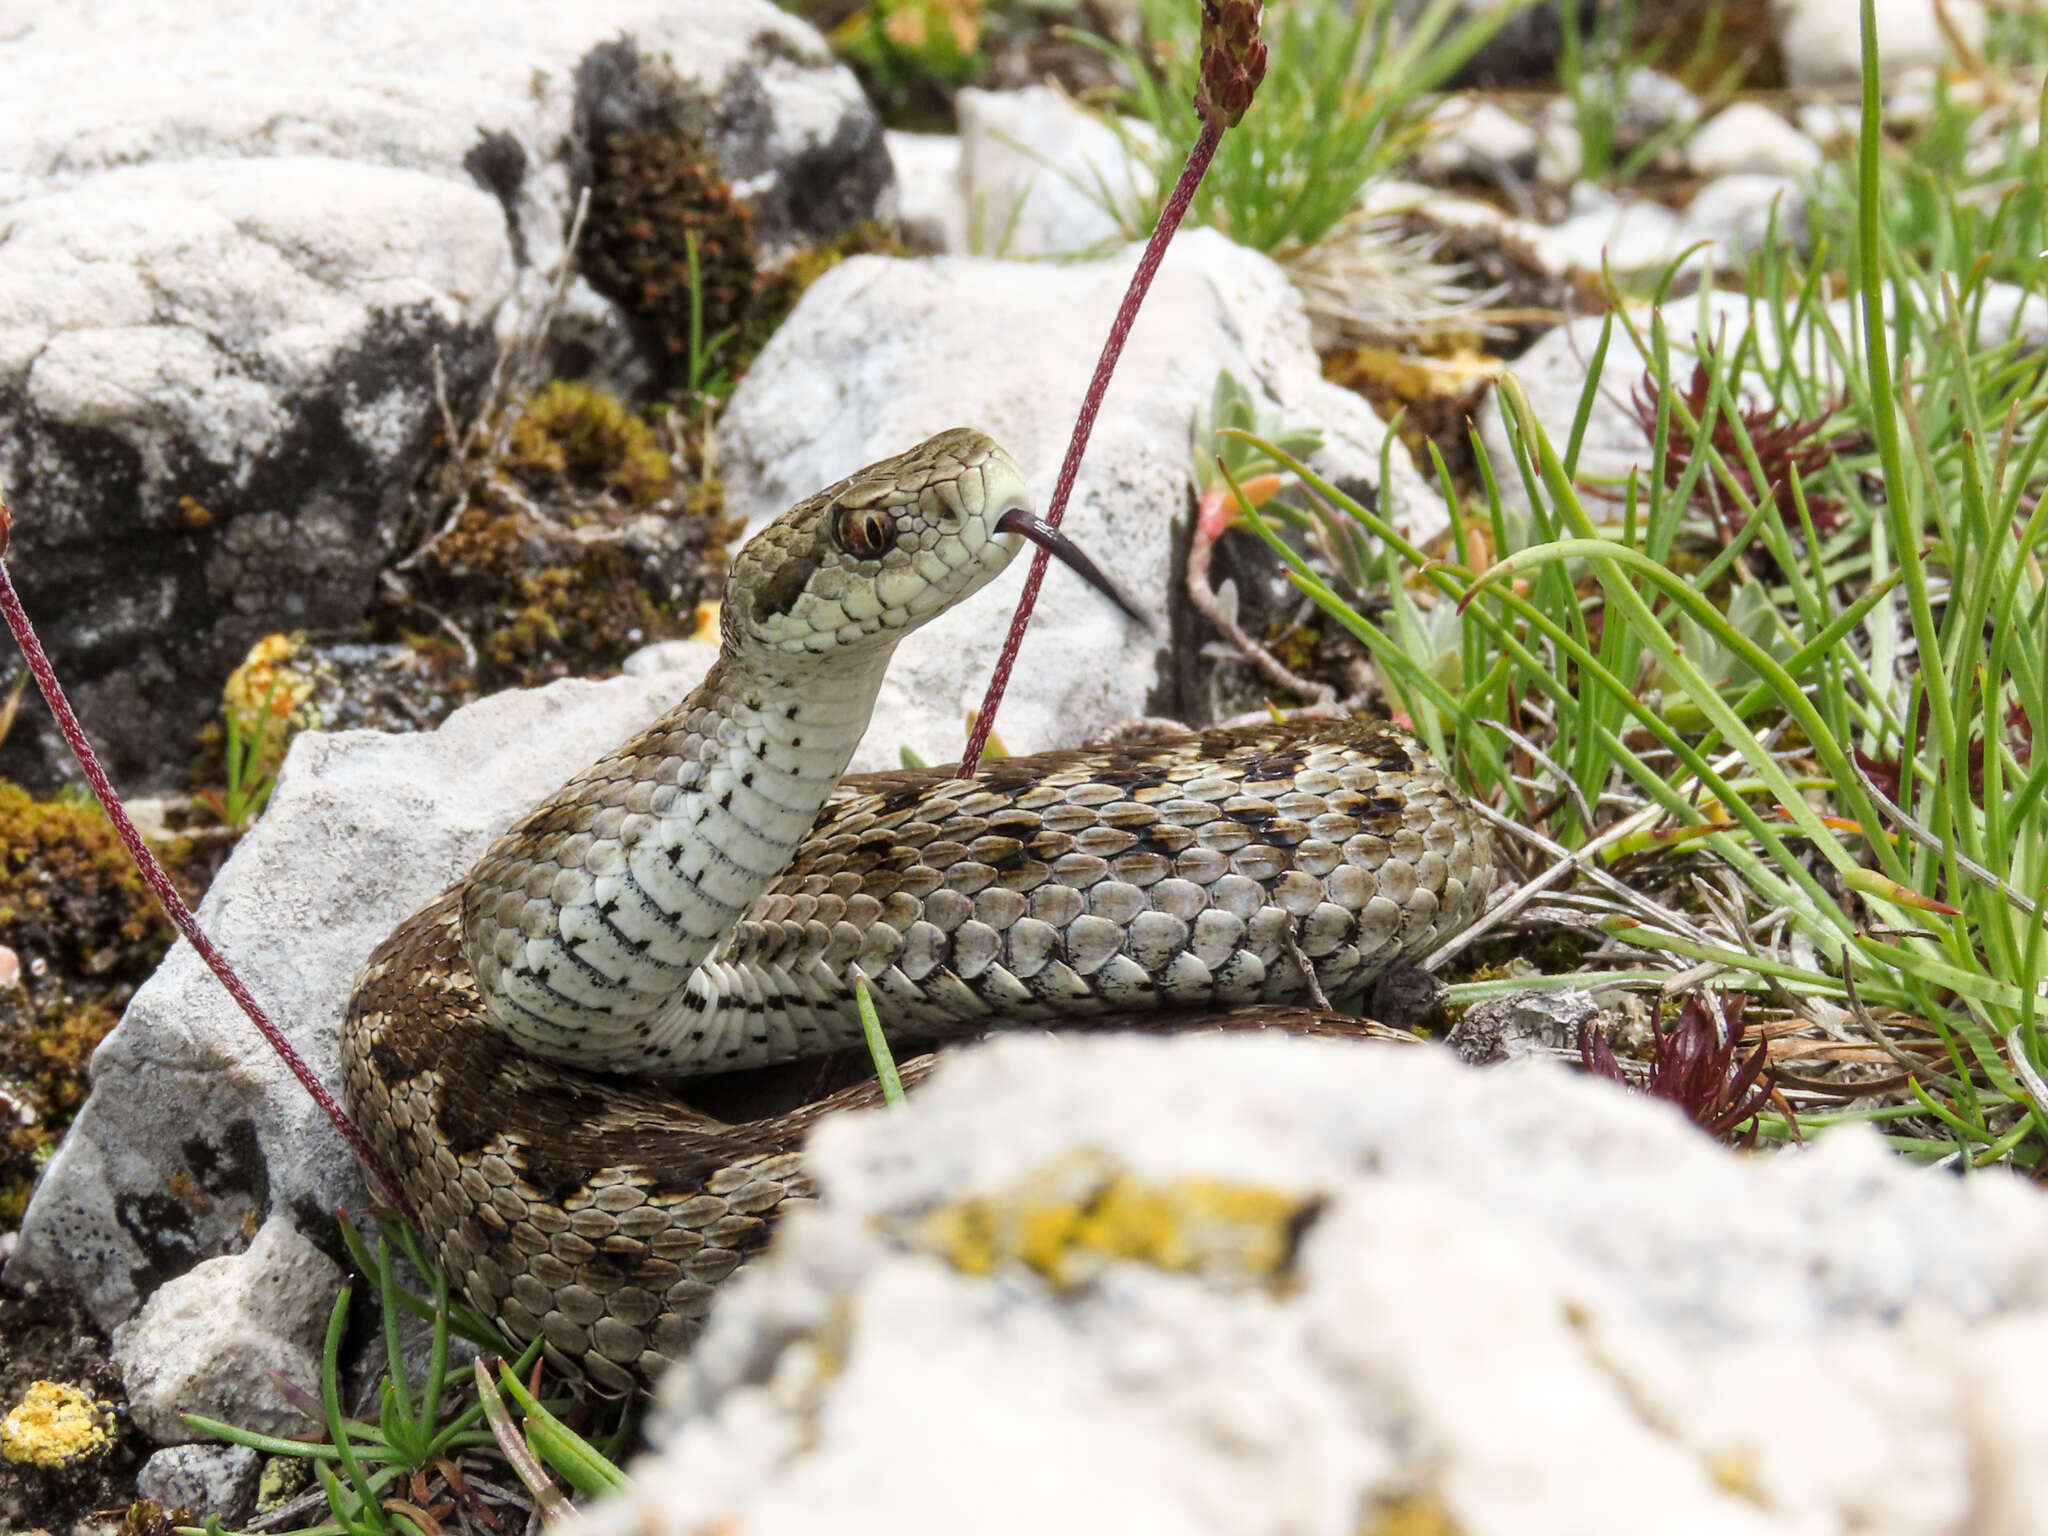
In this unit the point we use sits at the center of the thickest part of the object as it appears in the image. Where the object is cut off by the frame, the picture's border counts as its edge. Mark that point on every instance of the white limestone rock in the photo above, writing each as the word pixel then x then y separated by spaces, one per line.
pixel 1041 176
pixel 207 1341
pixel 168 302
pixel 1748 138
pixel 1740 214
pixel 1830 124
pixel 881 354
pixel 931 204
pixel 1554 372
pixel 1525 1302
pixel 1725 222
pixel 1822 45
pixel 1652 101
pixel 1651 106
pixel 1469 138
pixel 194 1132
pixel 1628 235
pixel 1560 150
pixel 232 239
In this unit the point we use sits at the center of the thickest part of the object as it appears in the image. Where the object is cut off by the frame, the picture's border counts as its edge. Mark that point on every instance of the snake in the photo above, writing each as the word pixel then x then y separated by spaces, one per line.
pixel 569 1059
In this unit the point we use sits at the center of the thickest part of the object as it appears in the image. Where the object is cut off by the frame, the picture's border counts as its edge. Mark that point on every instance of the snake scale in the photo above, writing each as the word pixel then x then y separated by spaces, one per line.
pixel 523 1051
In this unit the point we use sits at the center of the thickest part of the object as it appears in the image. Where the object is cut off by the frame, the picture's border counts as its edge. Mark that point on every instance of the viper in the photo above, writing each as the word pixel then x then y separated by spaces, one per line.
pixel 563 1057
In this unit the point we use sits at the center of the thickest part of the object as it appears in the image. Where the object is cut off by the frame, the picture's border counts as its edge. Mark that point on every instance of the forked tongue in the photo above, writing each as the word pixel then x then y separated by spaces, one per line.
pixel 1068 553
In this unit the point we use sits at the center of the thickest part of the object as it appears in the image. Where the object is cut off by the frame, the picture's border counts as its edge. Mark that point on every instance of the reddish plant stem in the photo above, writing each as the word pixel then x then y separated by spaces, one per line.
pixel 167 894
pixel 1119 332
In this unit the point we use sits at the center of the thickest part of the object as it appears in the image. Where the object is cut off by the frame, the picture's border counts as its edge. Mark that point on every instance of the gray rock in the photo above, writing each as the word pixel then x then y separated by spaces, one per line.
pixel 883 353
pixel 692 657
pixel 205 1479
pixel 1749 138
pixel 1652 101
pixel 1357 1286
pixel 209 1341
pixel 1554 372
pixel 1821 43
pixel 593 342
pixel 215 391
pixel 194 1134
pixel 1830 124
pixel 1727 220
pixel 1560 151
pixel 1651 105
pixel 1910 97
pixel 1523 1025
pixel 228 253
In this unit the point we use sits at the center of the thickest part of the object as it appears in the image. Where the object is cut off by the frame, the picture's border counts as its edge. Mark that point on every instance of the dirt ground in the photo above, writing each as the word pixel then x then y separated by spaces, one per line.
pixel 48 1337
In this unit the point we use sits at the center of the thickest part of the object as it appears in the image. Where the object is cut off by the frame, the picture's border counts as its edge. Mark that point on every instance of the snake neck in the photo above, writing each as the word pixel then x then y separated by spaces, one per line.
pixel 583 922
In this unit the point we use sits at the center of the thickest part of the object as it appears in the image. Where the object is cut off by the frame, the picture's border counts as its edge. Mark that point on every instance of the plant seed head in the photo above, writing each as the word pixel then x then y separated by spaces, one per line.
pixel 1233 61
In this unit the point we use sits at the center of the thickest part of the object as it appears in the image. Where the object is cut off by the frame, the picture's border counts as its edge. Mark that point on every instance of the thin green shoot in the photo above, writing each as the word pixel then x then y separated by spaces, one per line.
pixel 878 1042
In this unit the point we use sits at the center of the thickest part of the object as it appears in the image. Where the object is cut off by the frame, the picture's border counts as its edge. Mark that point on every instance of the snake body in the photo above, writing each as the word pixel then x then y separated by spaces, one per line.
pixel 698 901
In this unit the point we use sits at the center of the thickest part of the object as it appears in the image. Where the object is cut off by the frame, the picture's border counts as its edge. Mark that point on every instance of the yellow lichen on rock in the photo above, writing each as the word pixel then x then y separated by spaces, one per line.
pixel 283 1478
pixel 1072 1218
pixel 1420 1514
pixel 55 1427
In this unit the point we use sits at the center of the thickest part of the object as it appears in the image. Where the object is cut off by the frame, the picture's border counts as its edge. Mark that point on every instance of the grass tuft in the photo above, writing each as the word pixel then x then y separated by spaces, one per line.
pixel 1766 712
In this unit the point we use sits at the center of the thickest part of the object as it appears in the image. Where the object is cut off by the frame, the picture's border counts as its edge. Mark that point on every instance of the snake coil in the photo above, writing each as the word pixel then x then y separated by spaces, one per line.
pixel 696 903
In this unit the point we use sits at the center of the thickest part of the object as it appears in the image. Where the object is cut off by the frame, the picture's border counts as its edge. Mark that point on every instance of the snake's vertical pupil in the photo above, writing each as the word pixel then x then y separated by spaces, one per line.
pixel 864 534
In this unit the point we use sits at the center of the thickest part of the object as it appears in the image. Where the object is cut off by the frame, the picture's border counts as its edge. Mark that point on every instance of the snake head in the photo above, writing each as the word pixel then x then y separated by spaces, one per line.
pixel 866 561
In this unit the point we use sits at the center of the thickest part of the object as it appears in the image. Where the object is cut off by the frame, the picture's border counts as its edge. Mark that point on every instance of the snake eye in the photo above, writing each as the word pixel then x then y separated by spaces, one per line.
pixel 863 532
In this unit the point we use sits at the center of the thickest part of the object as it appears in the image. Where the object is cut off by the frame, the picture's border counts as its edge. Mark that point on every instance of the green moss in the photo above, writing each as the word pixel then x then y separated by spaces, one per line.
pixel 571 437
pixel 599 531
pixel 68 893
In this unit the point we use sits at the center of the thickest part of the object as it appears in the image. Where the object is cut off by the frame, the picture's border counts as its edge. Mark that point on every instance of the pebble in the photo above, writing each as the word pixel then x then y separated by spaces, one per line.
pixel 1748 138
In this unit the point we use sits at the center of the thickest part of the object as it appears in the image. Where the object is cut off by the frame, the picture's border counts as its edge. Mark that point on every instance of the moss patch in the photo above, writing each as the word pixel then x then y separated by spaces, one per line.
pixel 571 439
pixel 597 530
pixel 84 933
pixel 656 193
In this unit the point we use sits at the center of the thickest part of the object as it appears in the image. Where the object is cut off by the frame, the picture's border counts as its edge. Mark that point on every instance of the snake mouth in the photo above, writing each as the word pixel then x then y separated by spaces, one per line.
pixel 1048 538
